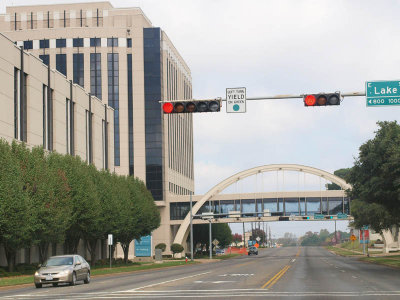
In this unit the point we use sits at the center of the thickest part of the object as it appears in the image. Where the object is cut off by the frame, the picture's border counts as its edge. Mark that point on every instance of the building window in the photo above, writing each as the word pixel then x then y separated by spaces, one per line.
pixel 95 42
pixel 129 43
pixel 20 105
pixel 78 69
pixel 44 113
pixel 87 120
pixel 112 42
pixel 113 99
pixel 61 63
pixel 130 114
pixel 61 43
pixel 50 98
pixel 45 58
pixel 153 116
pixel 103 142
pixel 77 42
pixel 44 44
pixel 95 74
pixel 67 125
pixel 16 102
pixel 28 45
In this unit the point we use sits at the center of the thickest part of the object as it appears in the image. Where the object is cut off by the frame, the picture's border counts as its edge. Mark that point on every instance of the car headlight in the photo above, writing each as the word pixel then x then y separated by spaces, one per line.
pixel 63 273
pixel 37 273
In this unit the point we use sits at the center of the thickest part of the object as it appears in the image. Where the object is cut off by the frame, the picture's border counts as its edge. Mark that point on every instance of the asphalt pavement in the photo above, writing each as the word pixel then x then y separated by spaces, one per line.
pixel 291 273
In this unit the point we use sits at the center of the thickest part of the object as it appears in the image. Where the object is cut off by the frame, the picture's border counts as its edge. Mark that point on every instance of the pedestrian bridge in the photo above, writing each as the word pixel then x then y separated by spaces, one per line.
pixel 304 205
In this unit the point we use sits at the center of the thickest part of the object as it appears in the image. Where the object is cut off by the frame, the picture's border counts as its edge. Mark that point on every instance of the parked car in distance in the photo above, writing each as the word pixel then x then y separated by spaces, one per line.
pixel 252 250
pixel 219 251
pixel 63 269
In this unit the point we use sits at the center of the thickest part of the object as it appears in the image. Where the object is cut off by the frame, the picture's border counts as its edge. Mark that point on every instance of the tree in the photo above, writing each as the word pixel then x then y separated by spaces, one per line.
pixel 176 248
pixel 342 173
pixel 237 238
pixel 15 220
pixel 375 179
pixel 161 246
pixel 47 192
pixel 139 214
pixel 220 231
pixel 223 234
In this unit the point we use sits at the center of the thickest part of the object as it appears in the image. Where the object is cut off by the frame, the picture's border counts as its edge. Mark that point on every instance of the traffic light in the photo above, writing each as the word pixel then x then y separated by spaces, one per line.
pixel 322 99
pixel 306 218
pixel 213 105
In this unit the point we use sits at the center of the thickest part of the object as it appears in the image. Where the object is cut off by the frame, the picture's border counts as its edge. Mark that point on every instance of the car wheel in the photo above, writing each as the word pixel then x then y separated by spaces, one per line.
pixel 38 285
pixel 73 281
pixel 55 284
pixel 87 280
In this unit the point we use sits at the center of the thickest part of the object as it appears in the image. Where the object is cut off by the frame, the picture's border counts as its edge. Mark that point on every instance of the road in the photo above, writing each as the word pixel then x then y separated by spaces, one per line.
pixel 298 273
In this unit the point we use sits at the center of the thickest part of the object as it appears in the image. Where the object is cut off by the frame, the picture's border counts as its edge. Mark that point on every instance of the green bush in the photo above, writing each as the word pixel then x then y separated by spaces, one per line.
pixel 176 248
pixel 161 246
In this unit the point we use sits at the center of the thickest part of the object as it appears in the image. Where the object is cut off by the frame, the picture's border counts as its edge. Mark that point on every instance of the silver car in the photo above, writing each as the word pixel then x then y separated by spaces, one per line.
pixel 63 269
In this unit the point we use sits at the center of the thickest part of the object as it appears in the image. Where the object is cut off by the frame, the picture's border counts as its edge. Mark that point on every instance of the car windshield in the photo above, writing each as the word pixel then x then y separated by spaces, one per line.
pixel 58 261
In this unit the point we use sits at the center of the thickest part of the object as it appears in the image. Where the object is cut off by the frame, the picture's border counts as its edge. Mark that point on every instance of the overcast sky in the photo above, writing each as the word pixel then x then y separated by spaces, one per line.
pixel 279 47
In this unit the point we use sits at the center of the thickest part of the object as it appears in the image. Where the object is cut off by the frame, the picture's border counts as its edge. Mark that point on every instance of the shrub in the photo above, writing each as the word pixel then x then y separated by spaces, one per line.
pixel 176 248
pixel 161 246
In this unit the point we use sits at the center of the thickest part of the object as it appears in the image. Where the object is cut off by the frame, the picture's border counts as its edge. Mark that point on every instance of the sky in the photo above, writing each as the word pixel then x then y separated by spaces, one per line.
pixel 279 47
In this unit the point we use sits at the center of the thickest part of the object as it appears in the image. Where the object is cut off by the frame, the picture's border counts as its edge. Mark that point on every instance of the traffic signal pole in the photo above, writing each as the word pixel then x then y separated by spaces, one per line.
pixel 274 97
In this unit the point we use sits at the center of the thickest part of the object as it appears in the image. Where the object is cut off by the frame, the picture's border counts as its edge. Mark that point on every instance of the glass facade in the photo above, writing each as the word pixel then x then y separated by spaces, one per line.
pixel 44 44
pixel 252 207
pixel 61 63
pixel 45 58
pixel 78 72
pixel 113 99
pixel 112 42
pixel 77 42
pixel 28 44
pixel 95 42
pixel 130 113
pixel 95 74
pixel 153 114
pixel 61 43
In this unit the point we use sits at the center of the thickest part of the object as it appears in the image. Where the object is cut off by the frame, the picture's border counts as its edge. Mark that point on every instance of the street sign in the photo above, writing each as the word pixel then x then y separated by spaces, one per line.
pixel 342 216
pixel 236 100
pixel 365 227
pixel 258 239
pixel 353 238
pixel 364 236
pixel 318 216
pixel 110 239
pixel 215 242
pixel 382 93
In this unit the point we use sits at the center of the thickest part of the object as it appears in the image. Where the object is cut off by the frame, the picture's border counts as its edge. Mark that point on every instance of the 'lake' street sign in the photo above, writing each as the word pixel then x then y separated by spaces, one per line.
pixel 382 93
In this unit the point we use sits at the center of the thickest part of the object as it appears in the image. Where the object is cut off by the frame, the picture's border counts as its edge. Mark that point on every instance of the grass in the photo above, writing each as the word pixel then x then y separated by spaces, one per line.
pixel 392 261
pixel 17 280
pixel 341 251
pixel 227 256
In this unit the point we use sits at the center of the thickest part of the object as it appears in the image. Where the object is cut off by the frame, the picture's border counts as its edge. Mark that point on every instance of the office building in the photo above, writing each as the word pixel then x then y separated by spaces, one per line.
pixel 119 57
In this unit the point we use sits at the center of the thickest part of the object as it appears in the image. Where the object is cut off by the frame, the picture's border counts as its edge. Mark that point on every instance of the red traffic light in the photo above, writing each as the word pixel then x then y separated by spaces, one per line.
pixel 310 100
pixel 168 107
pixel 322 99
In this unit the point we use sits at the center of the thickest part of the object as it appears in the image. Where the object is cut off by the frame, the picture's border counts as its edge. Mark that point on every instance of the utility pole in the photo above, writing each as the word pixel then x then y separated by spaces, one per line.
pixel 210 241
pixel 335 234
pixel 244 237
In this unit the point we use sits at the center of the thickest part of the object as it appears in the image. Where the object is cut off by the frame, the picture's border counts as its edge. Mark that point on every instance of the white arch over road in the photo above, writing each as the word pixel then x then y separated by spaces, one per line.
pixel 183 232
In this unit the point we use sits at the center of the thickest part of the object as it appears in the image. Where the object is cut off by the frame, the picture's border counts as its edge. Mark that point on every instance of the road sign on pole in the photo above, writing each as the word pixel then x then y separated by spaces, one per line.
pixel 236 100
pixel 382 93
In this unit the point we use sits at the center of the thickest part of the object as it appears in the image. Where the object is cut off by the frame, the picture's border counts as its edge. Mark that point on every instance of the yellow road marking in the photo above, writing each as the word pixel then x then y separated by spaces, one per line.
pixel 275 276
pixel 298 252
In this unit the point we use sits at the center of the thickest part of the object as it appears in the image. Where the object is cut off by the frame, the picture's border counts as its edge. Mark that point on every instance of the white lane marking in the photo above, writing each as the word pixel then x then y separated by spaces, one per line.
pixel 293 260
pixel 168 281
pixel 220 281
pixel 354 276
pixel 342 271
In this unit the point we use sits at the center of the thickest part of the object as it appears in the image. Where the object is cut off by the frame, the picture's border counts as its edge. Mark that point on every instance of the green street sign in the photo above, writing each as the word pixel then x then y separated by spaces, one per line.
pixel 382 93
pixel 318 216
pixel 342 216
